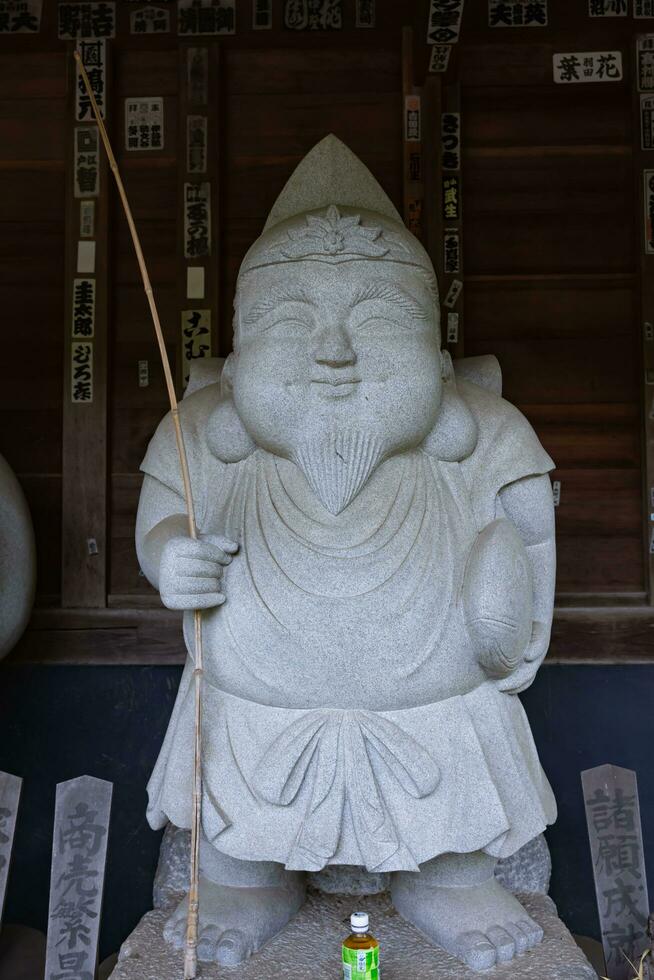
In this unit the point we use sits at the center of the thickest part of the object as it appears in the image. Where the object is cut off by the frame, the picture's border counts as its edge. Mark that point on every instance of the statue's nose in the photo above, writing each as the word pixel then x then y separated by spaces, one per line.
pixel 332 347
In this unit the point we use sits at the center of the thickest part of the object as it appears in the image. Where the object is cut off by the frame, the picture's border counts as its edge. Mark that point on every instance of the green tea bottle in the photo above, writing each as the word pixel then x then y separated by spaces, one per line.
pixel 360 951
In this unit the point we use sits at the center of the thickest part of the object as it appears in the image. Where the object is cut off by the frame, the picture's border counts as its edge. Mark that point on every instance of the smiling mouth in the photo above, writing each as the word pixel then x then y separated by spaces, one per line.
pixel 335 382
pixel 336 387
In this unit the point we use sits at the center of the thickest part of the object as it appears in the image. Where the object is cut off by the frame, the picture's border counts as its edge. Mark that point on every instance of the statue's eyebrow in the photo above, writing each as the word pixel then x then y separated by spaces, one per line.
pixel 390 293
pixel 276 295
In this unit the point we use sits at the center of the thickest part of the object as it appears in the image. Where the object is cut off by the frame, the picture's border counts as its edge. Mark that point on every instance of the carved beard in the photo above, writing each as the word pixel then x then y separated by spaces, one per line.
pixel 338 464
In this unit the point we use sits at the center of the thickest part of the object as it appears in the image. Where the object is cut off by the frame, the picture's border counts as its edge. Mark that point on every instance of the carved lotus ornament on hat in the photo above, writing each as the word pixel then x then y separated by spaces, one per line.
pixel 334 234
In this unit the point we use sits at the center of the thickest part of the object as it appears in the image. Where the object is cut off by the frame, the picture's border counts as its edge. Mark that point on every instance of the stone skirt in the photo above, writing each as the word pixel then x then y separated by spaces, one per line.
pixel 387 790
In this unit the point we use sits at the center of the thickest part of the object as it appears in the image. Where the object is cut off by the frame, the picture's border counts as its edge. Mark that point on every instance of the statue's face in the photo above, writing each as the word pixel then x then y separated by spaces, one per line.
pixel 328 349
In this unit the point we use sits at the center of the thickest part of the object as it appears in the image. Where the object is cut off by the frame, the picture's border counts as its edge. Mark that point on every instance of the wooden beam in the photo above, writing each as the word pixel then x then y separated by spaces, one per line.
pixel 643 171
pixel 84 456
pixel 94 637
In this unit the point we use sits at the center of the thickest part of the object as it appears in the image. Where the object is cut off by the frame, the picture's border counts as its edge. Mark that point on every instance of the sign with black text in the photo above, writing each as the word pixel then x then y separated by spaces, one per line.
pixel 517 13
pixel 86 20
pixel 313 15
pixel 195 17
pixel 587 66
pixel 444 23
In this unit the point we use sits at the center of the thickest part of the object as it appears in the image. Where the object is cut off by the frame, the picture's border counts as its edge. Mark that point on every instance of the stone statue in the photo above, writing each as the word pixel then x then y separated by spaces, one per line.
pixel 17 560
pixel 376 565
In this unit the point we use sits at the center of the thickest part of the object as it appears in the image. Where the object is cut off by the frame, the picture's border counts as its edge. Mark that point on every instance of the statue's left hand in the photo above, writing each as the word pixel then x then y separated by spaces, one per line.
pixel 524 674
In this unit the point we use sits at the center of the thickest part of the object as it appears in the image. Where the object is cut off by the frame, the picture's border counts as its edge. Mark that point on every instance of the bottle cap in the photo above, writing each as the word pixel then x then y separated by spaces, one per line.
pixel 359 922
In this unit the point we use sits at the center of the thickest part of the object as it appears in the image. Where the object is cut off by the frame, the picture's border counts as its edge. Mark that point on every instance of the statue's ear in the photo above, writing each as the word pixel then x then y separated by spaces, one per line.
pixel 455 433
pixel 227 437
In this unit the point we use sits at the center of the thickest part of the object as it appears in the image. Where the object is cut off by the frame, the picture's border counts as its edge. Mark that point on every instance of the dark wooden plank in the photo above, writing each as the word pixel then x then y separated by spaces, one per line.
pixel 545 115
pixel 564 371
pixel 559 310
pixel 84 450
pixel 611 634
pixel 599 564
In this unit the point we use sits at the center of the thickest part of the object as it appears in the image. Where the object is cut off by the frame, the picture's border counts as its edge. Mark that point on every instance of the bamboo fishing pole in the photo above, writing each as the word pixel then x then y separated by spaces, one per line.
pixel 190 954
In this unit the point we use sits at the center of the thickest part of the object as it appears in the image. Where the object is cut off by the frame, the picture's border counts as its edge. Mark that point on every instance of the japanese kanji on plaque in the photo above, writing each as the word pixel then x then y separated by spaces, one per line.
pixel 313 15
pixel 262 13
pixel 616 844
pixel 196 338
pixel 20 16
pixel 79 853
pixel 451 141
pixel 150 20
pixel 440 57
pixel 86 20
pixel 517 13
pixel 645 52
pixel 206 17
pixel 587 66
pixel 444 23
pixel 144 124
pixel 197 220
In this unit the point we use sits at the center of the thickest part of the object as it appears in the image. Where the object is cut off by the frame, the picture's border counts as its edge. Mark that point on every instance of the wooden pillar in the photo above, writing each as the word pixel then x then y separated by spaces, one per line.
pixel 450 193
pixel 84 457
pixel 412 122
pixel 199 69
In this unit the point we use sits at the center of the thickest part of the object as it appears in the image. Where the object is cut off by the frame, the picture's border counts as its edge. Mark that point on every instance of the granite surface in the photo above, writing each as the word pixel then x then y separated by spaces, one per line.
pixel 309 948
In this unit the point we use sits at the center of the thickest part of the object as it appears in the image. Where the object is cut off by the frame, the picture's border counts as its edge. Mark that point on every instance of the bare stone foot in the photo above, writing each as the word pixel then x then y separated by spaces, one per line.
pixel 481 924
pixel 235 922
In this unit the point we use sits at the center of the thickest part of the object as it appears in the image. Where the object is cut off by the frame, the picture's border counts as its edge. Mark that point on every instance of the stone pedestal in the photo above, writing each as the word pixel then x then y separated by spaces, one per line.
pixel 309 948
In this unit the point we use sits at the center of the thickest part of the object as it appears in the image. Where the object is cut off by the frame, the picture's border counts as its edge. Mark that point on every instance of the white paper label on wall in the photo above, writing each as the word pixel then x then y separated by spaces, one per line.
pixel 196 338
pixel 365 13
pixel 587 66
pixel 556 492
pixel 648 191
pixel 452 328
pixel 647 122
pixel 83 321
pixel 517 13
pixel 206 17
pixel 81 372
pixel 196 144
pixel 645 49
pixel 440 57
pixel 643 8
pixel 261 15
pixel 197 75
pixel 197 220
pixel 87 161
pixel 453 293
pixel 444 22
pixel 93 20
pixel 86 257
pixel 451 141
pixel 412 118
pixel 313 15
pixel 87 219
pixel 195 282
pixel 20 16
pixel 608 8
pixel 150 20
pixel 451 251
pixel 94 59
pixel 144 124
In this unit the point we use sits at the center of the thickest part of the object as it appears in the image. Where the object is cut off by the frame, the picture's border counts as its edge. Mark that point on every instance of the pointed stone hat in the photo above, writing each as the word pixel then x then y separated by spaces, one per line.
pixel 333 210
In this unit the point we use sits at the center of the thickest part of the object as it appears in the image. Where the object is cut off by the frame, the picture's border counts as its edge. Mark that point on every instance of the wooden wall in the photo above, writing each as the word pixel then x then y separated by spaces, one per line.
pixel 552 267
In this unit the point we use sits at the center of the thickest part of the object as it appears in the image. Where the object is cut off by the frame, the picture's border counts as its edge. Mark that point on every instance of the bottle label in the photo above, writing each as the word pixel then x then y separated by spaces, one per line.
pixel 361 964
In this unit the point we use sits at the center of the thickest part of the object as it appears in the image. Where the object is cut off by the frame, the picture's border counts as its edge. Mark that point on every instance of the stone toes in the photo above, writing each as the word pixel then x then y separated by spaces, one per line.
pixel 519 936
pixel 503 943
pixel 233 948
pixel 207 943
pixel 477 951
pixel 532 930
pixel 173 932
